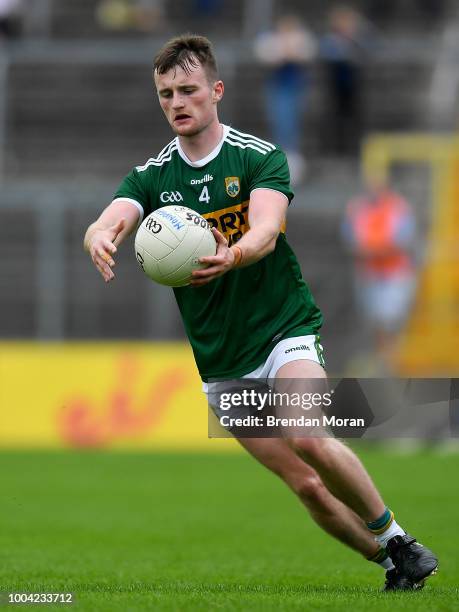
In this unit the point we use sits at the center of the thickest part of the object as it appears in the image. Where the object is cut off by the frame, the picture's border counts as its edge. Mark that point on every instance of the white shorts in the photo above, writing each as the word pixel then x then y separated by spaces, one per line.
pixel 285 351
pixel 386 302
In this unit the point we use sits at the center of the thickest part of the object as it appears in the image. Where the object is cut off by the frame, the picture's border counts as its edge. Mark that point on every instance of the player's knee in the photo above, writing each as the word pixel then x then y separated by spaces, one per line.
pixel 310 489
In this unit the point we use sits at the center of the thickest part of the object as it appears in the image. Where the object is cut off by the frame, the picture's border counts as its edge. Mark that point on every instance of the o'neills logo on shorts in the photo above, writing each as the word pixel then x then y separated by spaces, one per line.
pixel 302 347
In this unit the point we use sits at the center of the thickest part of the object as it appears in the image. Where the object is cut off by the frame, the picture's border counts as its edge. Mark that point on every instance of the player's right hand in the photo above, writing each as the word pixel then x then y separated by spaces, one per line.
pixel 101 248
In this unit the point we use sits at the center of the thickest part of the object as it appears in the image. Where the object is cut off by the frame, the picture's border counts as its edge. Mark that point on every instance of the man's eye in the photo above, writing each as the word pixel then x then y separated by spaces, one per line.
pixel 188 91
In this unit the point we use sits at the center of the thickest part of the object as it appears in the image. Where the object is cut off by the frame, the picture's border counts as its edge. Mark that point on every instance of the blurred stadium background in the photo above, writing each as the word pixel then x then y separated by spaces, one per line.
pixel 84 365
pixel 78 110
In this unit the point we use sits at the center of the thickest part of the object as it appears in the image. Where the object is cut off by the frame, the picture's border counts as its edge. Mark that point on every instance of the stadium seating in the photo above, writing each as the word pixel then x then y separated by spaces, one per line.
pixel 81 111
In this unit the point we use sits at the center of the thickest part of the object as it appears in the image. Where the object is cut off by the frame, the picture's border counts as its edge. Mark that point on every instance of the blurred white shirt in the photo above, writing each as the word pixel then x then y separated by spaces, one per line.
pixel 10 7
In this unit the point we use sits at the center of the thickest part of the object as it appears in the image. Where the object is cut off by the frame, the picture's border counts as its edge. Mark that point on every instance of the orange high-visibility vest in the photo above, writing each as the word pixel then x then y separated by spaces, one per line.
pixel 375 224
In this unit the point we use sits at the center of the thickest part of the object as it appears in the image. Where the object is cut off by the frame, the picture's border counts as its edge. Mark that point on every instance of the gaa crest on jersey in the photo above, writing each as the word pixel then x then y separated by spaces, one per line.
pixel 233 186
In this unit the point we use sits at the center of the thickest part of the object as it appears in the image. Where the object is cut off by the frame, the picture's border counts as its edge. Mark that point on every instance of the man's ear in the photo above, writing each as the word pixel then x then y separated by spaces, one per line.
pixel 218 91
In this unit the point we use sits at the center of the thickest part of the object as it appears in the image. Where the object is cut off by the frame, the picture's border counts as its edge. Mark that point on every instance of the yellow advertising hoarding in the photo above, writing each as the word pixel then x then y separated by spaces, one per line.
pixel 102 395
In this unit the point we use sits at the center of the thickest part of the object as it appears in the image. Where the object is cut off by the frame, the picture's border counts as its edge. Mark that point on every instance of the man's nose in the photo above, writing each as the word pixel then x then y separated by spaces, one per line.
pixel 177 100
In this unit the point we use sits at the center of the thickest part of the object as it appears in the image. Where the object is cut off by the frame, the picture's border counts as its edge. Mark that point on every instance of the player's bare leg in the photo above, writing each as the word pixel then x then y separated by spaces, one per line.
pixel 343 474
pixel 339 468
pixel 327 511
pixel 346 478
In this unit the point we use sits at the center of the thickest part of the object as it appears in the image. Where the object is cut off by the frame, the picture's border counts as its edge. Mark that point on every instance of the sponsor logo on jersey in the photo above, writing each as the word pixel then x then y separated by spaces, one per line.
pixel 205 179
pixel 171 196
pixel 233 186
pixel 302 347
pixel 232 222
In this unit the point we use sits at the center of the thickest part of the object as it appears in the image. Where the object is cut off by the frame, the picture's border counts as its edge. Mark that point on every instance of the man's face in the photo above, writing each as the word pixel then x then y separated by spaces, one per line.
pixel 188 100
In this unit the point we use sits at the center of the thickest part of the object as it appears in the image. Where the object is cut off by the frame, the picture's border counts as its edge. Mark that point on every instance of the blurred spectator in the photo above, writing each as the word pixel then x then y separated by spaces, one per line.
pixel 287 51
pixel 202 15
pixel 342 50
pixel 380 230
pixel 122 15
pixel 207 8
pixel 11 15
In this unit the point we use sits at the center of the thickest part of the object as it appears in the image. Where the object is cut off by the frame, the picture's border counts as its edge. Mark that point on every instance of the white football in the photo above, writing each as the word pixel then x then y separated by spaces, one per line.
pixel 169 243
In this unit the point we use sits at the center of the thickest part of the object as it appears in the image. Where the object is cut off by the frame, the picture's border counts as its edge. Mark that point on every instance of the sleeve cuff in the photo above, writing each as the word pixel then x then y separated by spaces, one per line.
pixel 270 189
pixel 137 204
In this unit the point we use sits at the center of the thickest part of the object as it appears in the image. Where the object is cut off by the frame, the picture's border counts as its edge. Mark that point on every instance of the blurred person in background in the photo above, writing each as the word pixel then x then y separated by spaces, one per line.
pixel 342 51
pixel 137 15
pixel 11 16
pixel 380 231
pixel 207 8
pixel 205 15
pixel 287 51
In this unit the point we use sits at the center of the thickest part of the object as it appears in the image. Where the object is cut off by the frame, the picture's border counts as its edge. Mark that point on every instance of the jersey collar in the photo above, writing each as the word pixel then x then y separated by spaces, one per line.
pixel 205 160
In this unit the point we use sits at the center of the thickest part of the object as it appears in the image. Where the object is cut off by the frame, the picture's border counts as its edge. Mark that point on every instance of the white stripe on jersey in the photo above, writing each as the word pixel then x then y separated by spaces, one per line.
pixel 248 145
pixel 234 138
pixel 165 156
pixel 165 150
pixel 252 142
pixel 242 136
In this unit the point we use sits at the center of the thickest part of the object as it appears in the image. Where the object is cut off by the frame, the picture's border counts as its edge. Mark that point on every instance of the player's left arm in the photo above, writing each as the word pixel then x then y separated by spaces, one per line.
pixel 267 210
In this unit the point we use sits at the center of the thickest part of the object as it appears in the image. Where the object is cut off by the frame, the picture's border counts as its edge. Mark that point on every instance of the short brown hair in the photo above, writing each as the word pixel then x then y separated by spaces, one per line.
pixel 187 51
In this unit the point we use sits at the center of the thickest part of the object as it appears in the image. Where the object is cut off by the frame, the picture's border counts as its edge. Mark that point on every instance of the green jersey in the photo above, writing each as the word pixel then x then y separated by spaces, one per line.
pixel 233 322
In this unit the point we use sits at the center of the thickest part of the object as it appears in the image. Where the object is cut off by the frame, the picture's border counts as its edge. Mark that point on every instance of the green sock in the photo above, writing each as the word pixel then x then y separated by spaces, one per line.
pixel 385 527
pixel 382 558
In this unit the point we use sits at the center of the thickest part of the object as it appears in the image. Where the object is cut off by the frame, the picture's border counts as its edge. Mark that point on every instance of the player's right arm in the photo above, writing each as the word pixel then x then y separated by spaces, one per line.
pixel 103 236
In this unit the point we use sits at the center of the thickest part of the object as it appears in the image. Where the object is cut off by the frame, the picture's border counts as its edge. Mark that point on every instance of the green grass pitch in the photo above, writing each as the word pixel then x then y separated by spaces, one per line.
pixel 189 531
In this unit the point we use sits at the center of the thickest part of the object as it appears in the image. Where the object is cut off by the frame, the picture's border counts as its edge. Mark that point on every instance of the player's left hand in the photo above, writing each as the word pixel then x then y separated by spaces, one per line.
pixel 217 264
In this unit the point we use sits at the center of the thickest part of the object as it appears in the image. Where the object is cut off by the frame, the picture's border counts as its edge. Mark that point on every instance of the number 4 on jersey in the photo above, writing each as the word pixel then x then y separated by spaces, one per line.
pixel 204 197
